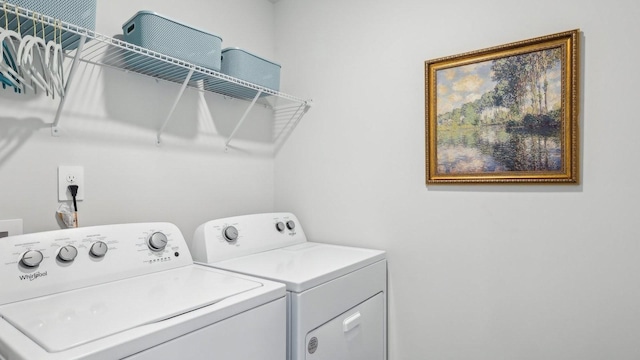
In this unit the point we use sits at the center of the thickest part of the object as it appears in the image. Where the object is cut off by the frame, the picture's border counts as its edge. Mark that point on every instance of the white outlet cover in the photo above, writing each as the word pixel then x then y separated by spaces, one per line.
pixel 77 173
pixel 10 227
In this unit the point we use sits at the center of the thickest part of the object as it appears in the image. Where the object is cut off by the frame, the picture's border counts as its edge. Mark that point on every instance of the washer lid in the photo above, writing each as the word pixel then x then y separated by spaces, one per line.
pixel 305 265
pixel 62 321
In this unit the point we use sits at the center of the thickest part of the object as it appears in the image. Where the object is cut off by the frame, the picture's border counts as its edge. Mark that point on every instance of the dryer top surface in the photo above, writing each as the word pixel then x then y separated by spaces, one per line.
pixel 305 265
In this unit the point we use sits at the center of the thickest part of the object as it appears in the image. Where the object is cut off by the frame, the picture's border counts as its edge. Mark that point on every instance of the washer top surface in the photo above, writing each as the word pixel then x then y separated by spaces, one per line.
pixel 303 266
pixel 102 291
pixel 64 320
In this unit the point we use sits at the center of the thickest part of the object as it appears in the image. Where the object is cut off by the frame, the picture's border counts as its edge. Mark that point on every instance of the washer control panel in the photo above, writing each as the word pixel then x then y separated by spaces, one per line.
pixel 232 237
pixel 40 264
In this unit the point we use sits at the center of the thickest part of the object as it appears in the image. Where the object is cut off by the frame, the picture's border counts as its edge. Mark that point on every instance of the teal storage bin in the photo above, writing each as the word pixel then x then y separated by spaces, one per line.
pixel 166 36
pixel 243 65
pixel 246 66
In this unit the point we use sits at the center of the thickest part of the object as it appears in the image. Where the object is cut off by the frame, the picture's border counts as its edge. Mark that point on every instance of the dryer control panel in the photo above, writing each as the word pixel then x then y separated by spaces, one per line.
pixel 232 237
pixel 39 264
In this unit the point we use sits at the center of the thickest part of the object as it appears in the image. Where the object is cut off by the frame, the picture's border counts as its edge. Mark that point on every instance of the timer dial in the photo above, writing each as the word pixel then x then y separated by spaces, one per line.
pixel 157 241
pixel 291 225
pixel 98 249
pixel 32 258
pixel 67 253
pixel 230 233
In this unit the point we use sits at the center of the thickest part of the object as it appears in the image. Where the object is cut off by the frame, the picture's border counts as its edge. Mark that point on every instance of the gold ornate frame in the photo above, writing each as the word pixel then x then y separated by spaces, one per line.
pixel 538 145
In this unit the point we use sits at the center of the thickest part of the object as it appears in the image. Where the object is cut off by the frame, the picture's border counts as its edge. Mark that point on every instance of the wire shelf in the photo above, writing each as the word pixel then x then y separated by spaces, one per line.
pixel 88 46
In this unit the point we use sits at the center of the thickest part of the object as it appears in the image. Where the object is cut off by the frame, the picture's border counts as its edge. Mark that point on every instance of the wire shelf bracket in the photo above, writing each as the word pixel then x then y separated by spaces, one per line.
pixel 175 104
pixel 242 119
pixel 55 130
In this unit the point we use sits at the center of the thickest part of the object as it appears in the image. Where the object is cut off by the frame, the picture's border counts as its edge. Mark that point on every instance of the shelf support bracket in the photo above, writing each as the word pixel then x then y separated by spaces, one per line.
pixel 297 115
pixel 175 104
pixel 55 129
pixel 242 119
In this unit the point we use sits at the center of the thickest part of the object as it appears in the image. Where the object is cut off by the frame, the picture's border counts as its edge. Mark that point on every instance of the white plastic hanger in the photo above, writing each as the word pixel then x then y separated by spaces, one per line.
pixel 38 64
pixel 31 52
pixel 53 60
pixel 10 38
pixel 6 69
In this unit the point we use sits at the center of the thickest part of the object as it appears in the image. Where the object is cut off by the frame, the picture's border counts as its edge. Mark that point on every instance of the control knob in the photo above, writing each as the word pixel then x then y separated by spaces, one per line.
pixel 98 249
pixel 280 226
pixel 32 258
pixel 67 253
pixel 291 225
pixel 157 241
pixel 230 233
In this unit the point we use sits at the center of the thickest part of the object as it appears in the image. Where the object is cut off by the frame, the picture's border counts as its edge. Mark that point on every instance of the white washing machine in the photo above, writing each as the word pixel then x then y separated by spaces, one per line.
pixel 130 291
pixel 336 295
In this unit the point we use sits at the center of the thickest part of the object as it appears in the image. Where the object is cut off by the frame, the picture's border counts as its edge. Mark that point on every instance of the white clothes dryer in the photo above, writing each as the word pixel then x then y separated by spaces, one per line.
pixel 130 291
pixel 336 295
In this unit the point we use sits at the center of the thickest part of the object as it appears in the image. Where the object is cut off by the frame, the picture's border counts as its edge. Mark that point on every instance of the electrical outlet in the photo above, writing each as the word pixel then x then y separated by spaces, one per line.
pixel 70 175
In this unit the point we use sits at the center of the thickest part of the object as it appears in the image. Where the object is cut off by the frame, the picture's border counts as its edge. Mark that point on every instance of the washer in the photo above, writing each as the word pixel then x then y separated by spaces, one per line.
pixel 336 295
pixel 130 291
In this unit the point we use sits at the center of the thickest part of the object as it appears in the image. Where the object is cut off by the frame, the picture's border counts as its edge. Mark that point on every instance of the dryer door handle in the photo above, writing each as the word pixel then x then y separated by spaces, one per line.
pixel 351 322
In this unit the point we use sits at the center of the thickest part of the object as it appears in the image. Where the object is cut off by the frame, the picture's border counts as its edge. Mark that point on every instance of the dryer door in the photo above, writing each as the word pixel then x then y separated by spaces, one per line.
pixel 357 334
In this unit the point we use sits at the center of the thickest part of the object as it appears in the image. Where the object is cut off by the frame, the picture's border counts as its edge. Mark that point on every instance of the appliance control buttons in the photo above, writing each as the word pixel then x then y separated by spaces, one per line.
pixel 32 258
pixel 98 249
pixel 157 241
pixel 291 225
pixel 67 253
pixel 280 226
pixel 230 233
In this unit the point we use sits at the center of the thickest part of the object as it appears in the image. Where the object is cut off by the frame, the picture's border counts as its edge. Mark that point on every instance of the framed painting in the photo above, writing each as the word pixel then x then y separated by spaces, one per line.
pixel 507 114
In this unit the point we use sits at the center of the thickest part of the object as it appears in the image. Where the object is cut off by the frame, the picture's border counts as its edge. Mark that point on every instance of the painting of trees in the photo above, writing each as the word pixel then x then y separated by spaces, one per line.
pixel 506 114
pixel 522 81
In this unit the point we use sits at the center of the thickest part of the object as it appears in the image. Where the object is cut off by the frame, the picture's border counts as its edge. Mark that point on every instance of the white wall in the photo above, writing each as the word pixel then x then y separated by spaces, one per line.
pixel 109 126
pixel 476 272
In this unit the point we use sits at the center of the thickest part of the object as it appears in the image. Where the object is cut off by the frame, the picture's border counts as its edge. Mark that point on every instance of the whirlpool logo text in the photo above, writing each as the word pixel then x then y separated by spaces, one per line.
pixel 33 276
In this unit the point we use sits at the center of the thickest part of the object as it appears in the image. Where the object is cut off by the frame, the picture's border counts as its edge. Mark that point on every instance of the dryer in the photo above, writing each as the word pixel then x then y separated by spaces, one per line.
pixel 130 291
pixel 336 295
